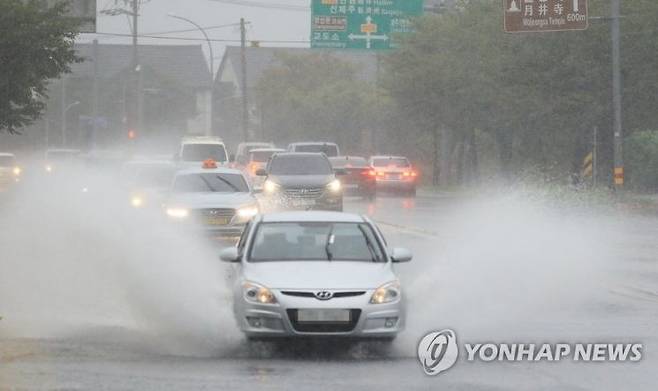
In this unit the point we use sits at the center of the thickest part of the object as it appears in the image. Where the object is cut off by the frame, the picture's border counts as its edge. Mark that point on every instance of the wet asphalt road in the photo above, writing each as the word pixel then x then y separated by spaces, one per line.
pixel 494 270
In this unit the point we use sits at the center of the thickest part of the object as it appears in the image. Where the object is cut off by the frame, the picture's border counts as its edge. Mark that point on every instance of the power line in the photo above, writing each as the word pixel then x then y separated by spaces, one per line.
pixel 195 29
pixel 257 4
pixel 198 39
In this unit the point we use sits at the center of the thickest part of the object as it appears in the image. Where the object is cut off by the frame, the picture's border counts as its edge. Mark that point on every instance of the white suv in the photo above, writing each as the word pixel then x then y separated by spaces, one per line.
pixel 194 150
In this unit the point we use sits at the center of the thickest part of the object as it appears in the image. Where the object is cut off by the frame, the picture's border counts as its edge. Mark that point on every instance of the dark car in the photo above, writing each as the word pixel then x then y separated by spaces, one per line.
pixel 303 181
pixel 359 177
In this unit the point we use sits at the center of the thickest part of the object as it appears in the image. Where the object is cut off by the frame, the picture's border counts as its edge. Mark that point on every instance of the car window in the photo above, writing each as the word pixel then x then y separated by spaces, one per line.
pixel 300 165
pixel 261 156
pixel 328 149
pixel 7 161
pixel 392 162
pixel 200 152
pixel 154 176
pixel 210 182
pixel 316 241
pixel 353 162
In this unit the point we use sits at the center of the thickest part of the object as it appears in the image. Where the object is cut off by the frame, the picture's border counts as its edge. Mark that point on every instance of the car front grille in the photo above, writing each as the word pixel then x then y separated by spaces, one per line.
pixel 216 212
pixel 336 295
pixel 324 327
pixel 308 192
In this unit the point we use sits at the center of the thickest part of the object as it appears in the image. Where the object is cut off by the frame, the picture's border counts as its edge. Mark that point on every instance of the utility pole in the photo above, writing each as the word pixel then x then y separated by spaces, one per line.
pixel 595 148
pixel 617 128
pixel 64 110
pixel 94 102
pixel 243 60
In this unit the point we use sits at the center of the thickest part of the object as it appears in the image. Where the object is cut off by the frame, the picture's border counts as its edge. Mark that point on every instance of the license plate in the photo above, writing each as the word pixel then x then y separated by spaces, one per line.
pixel 323 315
pixel 217 220
pixel 302 202
pixel 394 176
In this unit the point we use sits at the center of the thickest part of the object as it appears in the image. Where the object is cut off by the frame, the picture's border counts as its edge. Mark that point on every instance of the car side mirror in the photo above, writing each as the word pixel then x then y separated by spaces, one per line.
pixel 230 255
pixel 340 171
pixel 400 255
pixel 261 172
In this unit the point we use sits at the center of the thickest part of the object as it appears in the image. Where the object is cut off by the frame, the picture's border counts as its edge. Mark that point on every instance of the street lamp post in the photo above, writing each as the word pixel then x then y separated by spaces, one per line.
pixel 66 109
pixel 212 66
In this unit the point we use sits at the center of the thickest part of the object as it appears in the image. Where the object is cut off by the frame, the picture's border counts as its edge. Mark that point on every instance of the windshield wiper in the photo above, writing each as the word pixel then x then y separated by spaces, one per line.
pixel 232 186
pixel 369 244
pixel 330 241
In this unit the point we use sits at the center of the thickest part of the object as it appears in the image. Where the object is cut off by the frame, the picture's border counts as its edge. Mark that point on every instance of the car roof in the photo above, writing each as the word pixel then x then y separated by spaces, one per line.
pixel 7 154
pixel 314 143
pixel 248 143
pixel 202 140
pixel 63 150
pixel 267 150
pixel 200 170
pixel 301 154
pixel 312 216
pixel 346 158
pixel 388 157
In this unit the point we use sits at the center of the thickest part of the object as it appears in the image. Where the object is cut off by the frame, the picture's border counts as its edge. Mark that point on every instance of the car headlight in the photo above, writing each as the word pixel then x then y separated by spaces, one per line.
pixel 334 186
pixel 386 293
pixel 48 168
pixel 256 293
pixel 178 213
pixel 270 187
pixel 137 202
pixel 248 212
pixel 17 171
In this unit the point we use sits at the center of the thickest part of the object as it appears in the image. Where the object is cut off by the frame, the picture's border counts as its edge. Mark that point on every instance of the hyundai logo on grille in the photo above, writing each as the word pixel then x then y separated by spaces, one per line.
pixel 303 191
pixel 324 295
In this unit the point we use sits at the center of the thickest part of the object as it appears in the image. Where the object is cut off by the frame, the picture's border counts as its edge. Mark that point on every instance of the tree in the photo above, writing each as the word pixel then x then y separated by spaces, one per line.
pixel 315 96
pixel 36 44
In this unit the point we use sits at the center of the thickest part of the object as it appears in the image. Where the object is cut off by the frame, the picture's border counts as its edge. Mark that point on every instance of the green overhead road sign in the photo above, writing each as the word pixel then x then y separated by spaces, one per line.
pixel 361 24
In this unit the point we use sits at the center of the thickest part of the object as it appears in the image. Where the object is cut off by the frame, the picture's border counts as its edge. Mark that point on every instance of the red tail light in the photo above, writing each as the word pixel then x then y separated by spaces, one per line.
pixel 370 172
pixel 410 173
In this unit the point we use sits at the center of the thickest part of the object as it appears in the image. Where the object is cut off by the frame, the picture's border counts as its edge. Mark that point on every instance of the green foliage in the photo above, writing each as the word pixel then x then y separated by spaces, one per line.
pixel 537 94
pixel 36 44
pixel 308 97
pixel 642 160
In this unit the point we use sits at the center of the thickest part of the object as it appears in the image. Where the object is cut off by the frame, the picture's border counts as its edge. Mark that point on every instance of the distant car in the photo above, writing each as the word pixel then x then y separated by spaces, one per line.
pixel 329 149
pixel 395 173
pixel 215 200
pixel 10 172
pixel 57 159
pixel 359 177
pixel 147 181
pixel 195 150
pixel 257 160
pixel 241 158
pixel 303 181
pixel 312 274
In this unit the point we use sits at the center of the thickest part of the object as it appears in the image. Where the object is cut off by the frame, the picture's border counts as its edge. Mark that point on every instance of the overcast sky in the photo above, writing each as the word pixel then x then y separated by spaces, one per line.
pixel 266 24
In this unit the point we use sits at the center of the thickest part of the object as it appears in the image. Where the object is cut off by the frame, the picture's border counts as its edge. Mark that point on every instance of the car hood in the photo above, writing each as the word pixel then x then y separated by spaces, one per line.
pixel 319 274
pixel 301 180
pixel 211 200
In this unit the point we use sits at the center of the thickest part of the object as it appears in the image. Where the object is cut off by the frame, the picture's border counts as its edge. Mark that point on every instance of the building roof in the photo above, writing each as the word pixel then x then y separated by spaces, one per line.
pixel 184 64
pixel 259 59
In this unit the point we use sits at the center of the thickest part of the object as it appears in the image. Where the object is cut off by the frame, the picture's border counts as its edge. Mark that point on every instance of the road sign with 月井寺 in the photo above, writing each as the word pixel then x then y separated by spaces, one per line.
pixel 361 24
pixel 544 15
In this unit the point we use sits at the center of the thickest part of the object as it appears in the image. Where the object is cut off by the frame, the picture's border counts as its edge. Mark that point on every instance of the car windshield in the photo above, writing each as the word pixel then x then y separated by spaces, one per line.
pixel 352 162
pixel 261 156
pixel 315 241
pixel 391 162
pixel 154 176
pixel 201 152
pixel 7 161
pixel 249 147
pixel 210 182
pixel 328 149
pixel 61 155
pixel 300 165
